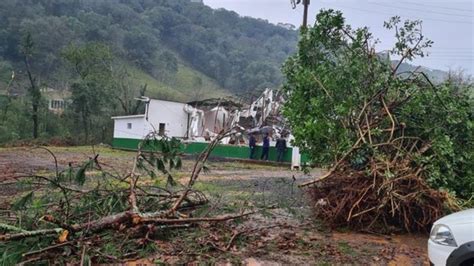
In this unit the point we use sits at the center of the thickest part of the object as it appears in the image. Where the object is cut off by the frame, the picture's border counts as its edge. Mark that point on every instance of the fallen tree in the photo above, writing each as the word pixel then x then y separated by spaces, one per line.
pixel 399 148
pixel 80 207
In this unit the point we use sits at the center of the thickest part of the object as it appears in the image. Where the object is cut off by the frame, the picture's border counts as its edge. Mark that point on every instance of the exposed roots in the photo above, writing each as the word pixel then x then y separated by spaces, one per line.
pixel 378 202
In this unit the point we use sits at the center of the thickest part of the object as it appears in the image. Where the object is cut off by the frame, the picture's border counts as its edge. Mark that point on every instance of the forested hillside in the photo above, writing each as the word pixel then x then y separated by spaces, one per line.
pixel 103 54
pixel 155 36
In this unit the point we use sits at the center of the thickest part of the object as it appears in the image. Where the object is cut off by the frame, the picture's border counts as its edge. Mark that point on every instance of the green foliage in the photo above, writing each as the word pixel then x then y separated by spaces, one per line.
pixel 11 252
pixel 446 117
pixel 5 73
pixel 141 47
pixel 74 198
pixel 218 43
pixel 336 76
pixel 181 50
pixel 90 61
pixel 80 177
pixel 23 202
pixel 164 156
pixel 93 92
pixel 327 82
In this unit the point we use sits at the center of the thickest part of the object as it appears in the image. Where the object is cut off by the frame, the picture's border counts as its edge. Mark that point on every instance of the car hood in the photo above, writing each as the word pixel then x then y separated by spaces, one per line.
pixel 462 217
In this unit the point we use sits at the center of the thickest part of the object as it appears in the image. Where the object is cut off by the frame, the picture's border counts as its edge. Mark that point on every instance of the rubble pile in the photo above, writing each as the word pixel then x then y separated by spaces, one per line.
pixel 263 115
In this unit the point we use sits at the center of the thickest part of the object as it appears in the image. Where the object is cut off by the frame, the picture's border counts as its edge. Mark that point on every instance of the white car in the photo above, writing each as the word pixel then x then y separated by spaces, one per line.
pixel 452 240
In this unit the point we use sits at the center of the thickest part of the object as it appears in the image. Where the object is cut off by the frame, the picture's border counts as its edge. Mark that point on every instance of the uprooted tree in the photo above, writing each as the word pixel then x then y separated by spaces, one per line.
pixel 96 213
pixel 399 148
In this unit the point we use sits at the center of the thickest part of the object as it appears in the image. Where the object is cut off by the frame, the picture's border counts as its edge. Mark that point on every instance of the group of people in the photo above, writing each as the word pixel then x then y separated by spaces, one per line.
pixel 280 147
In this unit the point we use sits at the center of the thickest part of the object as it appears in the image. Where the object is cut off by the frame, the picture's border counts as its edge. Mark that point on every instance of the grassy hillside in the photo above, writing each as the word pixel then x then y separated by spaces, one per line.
pixel 187 85
pixel 105 51
pixel 182 45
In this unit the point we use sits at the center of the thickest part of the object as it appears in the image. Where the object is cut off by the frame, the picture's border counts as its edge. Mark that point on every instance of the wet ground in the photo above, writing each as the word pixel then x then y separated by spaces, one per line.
pixel 284 232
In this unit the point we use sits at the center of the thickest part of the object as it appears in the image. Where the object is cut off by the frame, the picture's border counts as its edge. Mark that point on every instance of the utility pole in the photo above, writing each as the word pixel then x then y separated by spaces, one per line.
pixel 306 7
pixel 305 16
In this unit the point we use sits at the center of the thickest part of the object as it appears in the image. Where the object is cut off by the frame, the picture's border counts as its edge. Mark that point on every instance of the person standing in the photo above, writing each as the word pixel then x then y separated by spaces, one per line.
pixel 281 148
pixel 252 145
pixel 266 147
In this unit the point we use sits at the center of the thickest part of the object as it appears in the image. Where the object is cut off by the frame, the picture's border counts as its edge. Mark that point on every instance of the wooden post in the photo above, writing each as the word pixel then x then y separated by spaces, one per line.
pixel 305 17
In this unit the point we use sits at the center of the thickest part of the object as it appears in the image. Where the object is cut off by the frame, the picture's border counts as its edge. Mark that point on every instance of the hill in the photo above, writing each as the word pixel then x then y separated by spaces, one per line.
pixel 175 46
pixel 436 76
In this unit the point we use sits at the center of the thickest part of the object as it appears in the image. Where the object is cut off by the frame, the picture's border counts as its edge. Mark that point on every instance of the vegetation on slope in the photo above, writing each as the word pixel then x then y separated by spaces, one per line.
pixel 170 49
pixel 239 53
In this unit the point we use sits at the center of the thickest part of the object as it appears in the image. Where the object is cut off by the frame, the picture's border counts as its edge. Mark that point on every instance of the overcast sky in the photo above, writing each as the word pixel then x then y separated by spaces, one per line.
pixel 449 23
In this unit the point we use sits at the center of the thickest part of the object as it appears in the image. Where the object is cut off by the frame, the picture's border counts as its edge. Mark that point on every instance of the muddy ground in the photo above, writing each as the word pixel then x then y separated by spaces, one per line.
pixel 283 233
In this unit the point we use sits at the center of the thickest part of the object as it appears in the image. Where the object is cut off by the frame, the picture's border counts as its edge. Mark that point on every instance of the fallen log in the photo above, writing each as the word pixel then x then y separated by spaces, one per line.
pixel 25 234
pixel 132 219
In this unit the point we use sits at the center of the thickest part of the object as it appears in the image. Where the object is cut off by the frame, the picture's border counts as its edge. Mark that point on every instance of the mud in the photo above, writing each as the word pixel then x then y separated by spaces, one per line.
pixel 287 232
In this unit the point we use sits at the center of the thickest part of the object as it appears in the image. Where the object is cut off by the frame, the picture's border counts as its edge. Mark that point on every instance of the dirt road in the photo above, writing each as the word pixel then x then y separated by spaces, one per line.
pixel 284 231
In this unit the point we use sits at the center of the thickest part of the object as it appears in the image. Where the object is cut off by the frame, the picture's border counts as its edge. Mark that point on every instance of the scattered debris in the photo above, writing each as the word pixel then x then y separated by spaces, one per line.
pixel 228 187
pixel 80 213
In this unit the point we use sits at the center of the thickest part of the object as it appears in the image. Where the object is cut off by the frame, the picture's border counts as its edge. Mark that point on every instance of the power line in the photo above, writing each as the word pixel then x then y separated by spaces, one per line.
pixel 469 59
pixel 392 14
pixel 446 8
pixel 452 48
pixel 450 51
pixel 434 54
pixel 422 10
pixel 447 49
pixel 449 54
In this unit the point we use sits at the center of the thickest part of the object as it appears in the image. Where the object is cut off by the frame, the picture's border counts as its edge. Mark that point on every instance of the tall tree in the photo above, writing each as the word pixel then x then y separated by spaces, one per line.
pixel 92 91
pixel 348 106
pixel 33 90
pixel 127 93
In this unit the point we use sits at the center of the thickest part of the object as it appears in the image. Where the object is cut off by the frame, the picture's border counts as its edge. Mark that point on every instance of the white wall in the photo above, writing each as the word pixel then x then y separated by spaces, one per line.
pixel 172 114
pixel 138 131
pixel 215 118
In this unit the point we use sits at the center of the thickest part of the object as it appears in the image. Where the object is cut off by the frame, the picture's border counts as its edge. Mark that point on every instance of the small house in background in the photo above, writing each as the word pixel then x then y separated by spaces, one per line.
pixel 56 99
pixel 165 117
pixel 197 123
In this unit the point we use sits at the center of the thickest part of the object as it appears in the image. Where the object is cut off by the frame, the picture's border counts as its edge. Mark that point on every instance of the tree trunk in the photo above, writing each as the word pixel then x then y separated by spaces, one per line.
pixel 5 110
pixel 35 98
pixel 85 125
pixel 35 120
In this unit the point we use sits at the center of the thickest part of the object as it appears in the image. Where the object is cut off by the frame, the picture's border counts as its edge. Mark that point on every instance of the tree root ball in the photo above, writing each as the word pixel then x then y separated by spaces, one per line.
pixel 376 203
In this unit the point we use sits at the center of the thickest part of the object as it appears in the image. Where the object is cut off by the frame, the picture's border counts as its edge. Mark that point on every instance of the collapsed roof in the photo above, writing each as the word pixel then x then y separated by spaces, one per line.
pixel 209 117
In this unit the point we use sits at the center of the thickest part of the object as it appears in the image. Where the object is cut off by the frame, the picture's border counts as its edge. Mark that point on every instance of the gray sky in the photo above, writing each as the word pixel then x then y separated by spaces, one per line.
pixel 449 23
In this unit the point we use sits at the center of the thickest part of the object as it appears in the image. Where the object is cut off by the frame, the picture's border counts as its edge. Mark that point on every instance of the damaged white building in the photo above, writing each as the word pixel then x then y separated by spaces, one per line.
pixel 196 123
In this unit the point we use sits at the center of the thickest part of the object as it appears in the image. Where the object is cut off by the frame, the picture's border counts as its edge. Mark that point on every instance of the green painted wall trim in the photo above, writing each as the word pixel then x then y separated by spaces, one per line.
pixel 129 144
pixel 225 151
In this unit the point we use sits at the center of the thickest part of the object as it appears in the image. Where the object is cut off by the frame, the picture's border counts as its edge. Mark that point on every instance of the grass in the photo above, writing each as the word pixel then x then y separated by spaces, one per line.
pixel 187 85
pixel 346 249
pixel 232 165
pixel 89 150
pixel 207 187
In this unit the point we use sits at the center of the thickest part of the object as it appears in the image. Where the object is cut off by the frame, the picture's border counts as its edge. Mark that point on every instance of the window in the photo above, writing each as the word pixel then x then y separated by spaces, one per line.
pixel 129 125
pixel 56 104
pixel 161 130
